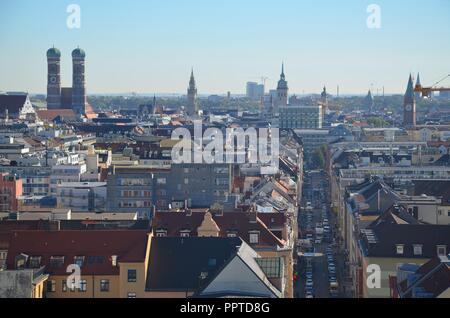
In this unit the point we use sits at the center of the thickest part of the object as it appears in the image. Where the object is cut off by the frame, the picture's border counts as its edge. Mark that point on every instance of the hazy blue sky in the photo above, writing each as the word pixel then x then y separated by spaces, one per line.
pixel 150 46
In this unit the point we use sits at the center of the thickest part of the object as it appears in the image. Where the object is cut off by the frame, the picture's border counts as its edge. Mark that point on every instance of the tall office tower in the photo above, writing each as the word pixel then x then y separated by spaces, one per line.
pixel 254 90
pixel 78 81
pixel 192 106
pixel 54 78
pixel 369 102
pixel 282 90
pixel 409 105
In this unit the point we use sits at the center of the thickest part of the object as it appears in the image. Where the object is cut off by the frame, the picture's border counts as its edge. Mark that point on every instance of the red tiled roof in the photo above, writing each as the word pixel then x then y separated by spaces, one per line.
pixel 96 246
pixel 174 222
pixel 51 114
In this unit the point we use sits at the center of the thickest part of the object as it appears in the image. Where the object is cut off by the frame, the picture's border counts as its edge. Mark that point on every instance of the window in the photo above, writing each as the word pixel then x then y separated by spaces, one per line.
pixel 131 295
pixel 132 275
pixel 104 285
pixel 400 249
pixel 254 237
pixel 35 261
pixel 161 233
pixel 441 250
pixel 231 234
pixel 83 286
pixel 185 233
pixel 20 263
pixel 417 249
pixel 272 267
pixel 51 286
pixel 56 261
pixel 64 286
pixel 70 285
pixel 186 180
pixel 161 181
pixel 78 260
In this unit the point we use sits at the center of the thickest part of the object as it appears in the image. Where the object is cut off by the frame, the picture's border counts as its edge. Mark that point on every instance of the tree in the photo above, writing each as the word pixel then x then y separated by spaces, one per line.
pixel 318 159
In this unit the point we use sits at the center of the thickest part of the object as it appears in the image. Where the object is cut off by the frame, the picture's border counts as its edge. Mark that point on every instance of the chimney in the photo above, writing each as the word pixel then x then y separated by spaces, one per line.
pixel 153 212
pixel 114 260
pixel 253 214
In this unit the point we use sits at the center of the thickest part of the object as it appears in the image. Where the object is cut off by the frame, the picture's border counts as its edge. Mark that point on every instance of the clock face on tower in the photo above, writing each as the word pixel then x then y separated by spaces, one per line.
pixel 408 107
pixel 53 79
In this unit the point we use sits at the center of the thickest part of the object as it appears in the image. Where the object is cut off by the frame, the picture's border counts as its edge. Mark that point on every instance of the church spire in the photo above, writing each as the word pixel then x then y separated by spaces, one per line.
pixel 409 95
pixel 192 79
pixel 418 80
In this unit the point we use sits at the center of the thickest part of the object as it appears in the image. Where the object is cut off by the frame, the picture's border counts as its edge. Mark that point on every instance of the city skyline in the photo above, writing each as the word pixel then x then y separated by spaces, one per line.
pixel 151 47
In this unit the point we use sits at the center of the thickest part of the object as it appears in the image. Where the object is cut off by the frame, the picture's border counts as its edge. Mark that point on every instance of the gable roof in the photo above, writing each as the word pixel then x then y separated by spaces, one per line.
pixel 382 237
pixel 435 188
pixel 432 278
pixel 51 114
pixel 12 102
pixel 254 282
pixel 176 263
pixel 241 222
pixel 97 246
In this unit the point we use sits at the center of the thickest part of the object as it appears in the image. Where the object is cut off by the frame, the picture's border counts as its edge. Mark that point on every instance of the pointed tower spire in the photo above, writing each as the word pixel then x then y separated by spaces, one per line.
pixel 409 105
pixel 192 107
pixel 409 95
pixel 192 79
pixel 154 104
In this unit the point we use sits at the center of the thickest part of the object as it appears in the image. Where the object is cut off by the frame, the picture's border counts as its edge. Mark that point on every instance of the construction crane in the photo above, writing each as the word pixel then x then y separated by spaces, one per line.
pixel 262 78
pixel 426 91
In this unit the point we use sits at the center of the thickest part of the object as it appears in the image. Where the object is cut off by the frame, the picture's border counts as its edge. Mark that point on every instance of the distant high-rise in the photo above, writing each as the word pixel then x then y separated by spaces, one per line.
pixel 192 106
pixel 369 102
pixel 255 91
pixel 54 78
pixel 324 101
pixel 409 105
pixel 282 90
pixel 79 85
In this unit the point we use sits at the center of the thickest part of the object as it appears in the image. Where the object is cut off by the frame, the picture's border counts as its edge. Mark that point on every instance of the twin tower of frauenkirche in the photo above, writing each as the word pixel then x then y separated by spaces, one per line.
pixel 66 98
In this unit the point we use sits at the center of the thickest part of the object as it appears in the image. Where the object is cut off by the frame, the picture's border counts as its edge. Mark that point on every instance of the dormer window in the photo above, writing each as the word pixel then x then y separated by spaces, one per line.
pixel 185 233
pixel 35 261
pixel 21 261
pixel 400 249
pixel 254 237
pixel 441 250
pixel 231 234
pixel 78 260
pixel 161 233
pixel 417 249
pixel 56 261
